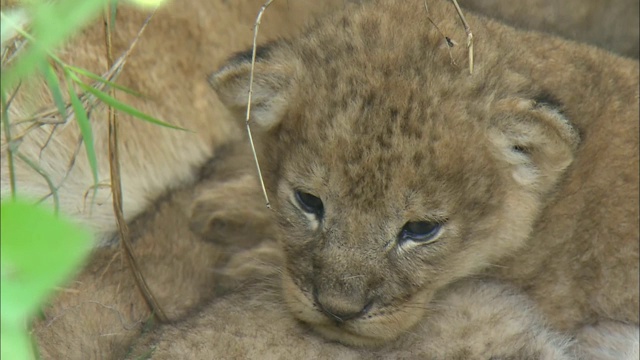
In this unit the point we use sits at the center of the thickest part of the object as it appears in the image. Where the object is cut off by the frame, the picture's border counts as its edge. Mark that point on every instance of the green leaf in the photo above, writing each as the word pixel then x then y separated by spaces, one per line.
pixel 125 108
pixel 16 343
pixel 114 12
pixel 38 251
pixel 52 23
pixel 87 133
pixel 54 86
pixel 95 77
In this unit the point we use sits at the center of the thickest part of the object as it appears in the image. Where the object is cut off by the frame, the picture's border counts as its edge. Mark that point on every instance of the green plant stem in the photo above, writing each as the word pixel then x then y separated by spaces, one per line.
pixel 45 176
pixel 7 135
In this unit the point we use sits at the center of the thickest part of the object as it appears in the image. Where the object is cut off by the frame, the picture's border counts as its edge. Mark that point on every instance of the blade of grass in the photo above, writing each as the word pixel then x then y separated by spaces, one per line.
pixel 7 134
pixel 7 27
pixel 112 13
pixel 52 24
pixel 54 86
pixel 107 99
pixel 45 176
pixel 99 78
pixel 85 130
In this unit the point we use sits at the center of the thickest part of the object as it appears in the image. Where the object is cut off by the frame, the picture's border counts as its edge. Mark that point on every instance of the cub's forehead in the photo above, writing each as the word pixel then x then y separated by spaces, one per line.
pixel 377 119
pixel 362 75
pixel 376 146
pixel 374 45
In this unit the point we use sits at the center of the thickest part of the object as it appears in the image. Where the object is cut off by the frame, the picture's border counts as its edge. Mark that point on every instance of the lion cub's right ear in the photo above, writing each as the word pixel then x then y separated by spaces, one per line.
pixel 535 137
pixel 272 82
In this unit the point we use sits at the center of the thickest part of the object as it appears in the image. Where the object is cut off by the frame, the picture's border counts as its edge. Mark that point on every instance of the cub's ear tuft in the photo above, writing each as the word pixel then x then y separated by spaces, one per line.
pixel 272 80
pixel 536 138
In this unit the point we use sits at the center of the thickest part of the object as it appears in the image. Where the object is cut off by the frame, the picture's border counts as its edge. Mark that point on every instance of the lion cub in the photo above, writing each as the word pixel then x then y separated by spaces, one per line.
pixel 470 320
pixel 394 173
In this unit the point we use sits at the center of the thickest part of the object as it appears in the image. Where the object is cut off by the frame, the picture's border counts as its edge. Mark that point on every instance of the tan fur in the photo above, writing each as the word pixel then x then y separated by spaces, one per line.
pixel 608 341
pixel 169 66
pixel 471 320
pixel 98 314
pixel 101 312
pixel 530 165
pixel 610 24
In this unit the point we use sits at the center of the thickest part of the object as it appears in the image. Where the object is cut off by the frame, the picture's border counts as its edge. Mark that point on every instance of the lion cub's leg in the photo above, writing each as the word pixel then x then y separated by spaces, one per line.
pixel 98 314
pixel 471 320
pixel 228 210
pixel 102 312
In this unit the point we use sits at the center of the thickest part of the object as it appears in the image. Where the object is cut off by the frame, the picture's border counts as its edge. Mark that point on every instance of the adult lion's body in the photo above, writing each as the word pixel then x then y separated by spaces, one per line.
pixel 168 66
pixel 97 315
pixel 610 24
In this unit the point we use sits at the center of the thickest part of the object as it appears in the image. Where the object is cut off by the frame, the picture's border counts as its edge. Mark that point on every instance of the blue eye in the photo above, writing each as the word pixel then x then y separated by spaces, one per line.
pixel 419 231
pixel 310 203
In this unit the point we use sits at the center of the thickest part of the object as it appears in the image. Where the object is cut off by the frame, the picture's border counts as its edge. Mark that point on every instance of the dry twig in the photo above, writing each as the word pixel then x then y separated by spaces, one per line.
pixel 447 40
pixel 116 185
pixel 467 29
pixel 253 63
pixel 9 140
pixel 45 176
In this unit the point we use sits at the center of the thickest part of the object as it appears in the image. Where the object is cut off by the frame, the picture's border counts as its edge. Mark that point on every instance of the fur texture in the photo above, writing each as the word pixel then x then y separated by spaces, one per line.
pixel 169 66
pixel 610 24
pixel 471 320
pixel 527 169
pixel 608 341
pixel 98 315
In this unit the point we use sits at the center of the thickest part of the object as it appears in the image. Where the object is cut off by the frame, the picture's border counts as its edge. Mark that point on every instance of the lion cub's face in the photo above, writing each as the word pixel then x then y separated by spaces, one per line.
pixel 393 172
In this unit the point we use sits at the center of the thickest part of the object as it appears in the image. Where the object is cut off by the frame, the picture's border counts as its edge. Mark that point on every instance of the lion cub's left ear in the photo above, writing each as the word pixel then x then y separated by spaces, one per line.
pixel 536 139
pixel 272 79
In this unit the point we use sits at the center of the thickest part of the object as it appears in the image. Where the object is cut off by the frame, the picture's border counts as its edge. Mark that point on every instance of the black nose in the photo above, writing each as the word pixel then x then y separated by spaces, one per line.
pixel 340 311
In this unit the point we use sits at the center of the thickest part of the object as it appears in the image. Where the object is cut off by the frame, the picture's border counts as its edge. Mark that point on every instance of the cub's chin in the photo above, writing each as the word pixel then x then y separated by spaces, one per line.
pixel 377 327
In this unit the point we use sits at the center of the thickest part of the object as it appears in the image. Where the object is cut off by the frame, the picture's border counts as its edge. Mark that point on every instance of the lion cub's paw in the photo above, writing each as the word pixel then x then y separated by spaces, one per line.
pixel 230 213
pixel 259 263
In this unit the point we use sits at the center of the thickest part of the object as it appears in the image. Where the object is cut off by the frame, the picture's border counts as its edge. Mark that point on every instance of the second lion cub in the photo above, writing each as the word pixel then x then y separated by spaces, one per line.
pixel 393 172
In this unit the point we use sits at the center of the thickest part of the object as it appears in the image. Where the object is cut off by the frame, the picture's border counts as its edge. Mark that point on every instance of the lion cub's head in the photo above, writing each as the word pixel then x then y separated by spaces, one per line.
pixel 392 172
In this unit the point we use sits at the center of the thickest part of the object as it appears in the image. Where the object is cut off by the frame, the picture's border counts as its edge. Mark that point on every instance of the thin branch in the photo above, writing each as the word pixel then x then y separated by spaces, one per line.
pixel 72 162
pixel 39 170
pixel 10 55
pixel 467 29
pixel 116 184
pixel 8 140
pixel 447 40
pixel 16 140
pixel 46 143
pixel 91 189
pixel 253 63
